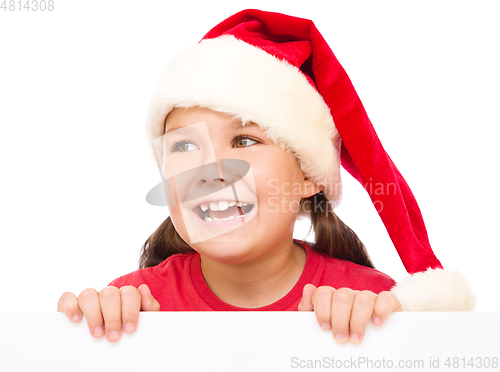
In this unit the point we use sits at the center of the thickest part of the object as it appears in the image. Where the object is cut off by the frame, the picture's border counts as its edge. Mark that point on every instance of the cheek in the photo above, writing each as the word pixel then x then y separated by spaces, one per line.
pixel 279 183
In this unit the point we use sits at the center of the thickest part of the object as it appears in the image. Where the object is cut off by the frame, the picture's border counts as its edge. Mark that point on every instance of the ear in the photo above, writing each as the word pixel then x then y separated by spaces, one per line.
pixel 310 188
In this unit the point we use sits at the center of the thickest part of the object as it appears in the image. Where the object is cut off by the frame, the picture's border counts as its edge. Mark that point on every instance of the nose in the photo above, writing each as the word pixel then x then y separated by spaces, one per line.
pixel 207 178
pixel 226 171
pixel 218 175
pixel 211 174
pixel 210 178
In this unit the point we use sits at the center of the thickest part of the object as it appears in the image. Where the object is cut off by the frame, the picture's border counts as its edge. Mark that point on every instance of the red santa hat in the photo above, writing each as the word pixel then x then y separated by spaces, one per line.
pixel 278 71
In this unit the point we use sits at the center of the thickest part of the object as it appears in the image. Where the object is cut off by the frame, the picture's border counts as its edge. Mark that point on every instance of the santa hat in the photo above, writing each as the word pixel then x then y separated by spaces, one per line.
pixel 277 71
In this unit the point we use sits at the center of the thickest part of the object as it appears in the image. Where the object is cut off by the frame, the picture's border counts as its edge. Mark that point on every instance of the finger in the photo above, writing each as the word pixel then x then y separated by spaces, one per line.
pixel 306 301
pixel 148 302
pixel 385 304
pixel 322 303
pixel 68 304
pixel 362 310
pixel 111 308
pixel 131 305
pixel 88 301
pixel 342 302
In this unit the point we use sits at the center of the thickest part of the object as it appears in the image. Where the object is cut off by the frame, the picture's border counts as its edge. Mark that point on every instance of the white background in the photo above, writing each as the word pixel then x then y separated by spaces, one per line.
pixel 75 163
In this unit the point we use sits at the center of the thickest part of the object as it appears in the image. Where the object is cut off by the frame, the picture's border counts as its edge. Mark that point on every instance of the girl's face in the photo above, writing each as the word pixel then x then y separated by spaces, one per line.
pixel 212 167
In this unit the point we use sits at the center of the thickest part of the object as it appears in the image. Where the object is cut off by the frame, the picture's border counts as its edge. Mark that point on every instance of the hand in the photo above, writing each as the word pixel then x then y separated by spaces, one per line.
pixel 347 311
pixel 110 310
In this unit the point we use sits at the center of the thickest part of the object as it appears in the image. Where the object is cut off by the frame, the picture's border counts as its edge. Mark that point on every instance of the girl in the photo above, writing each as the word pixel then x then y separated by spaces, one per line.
pixel 249 129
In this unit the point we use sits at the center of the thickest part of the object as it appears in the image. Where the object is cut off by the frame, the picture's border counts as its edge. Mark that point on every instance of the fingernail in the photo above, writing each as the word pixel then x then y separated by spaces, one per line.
pixel 376 320
pixel 129 327
pixel 76 317
pixel 113 336
pixel 325 326
pixel 98 331
pixel 354 337
pixel 340 337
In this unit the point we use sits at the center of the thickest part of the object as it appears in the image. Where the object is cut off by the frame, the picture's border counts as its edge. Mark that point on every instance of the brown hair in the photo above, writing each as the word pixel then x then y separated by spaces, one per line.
pixel 333 238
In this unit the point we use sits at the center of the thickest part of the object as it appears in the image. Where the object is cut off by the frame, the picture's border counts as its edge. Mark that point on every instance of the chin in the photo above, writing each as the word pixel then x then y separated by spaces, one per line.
pixel 226 250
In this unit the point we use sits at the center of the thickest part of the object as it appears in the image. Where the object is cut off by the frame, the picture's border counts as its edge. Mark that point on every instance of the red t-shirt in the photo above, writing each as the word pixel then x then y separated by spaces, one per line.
pixel 178 283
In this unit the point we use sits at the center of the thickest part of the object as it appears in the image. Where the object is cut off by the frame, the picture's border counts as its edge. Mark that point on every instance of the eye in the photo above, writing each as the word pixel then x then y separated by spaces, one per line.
pixel 184 146
pixel 243 141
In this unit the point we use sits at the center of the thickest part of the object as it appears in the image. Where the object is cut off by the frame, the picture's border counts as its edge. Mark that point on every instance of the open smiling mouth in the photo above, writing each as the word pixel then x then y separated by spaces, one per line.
pixel 222 210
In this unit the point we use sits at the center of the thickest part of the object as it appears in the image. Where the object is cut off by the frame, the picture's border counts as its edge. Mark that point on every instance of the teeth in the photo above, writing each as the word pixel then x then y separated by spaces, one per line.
pixel 221 205
pixel 209 219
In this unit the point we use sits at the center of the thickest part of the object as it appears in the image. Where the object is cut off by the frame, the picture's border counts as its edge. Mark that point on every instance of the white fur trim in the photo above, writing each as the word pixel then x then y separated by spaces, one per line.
pixel 230 76
pixel 435 290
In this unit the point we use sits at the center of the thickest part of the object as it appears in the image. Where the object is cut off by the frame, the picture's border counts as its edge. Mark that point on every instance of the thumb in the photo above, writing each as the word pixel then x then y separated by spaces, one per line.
pixel 148 302
pixel 306 303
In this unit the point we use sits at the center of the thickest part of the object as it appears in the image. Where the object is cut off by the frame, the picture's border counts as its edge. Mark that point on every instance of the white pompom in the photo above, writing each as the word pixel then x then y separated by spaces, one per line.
pixel 435 290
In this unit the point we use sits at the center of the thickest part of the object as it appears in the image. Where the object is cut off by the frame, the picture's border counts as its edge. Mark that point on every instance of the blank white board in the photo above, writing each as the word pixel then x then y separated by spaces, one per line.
pixel 250 341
